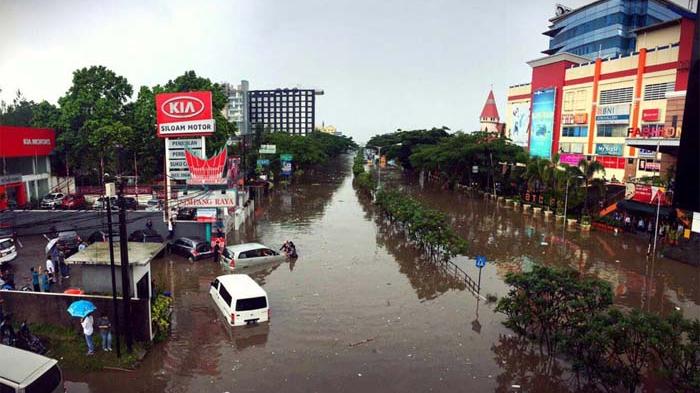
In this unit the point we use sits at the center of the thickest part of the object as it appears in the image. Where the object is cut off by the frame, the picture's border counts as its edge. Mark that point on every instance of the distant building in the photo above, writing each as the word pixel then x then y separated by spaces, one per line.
pixel 328 129
pixel 617 111
pixel 489 119
pixel 283 110
pixel 606 28
pixel 25 167
pixel 236 109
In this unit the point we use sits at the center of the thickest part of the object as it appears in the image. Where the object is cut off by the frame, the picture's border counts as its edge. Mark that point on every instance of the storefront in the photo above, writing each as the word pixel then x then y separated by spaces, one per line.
pixel 25 169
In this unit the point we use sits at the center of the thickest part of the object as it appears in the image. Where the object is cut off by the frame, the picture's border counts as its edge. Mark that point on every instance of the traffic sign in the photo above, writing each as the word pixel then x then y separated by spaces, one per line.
pixel 480 261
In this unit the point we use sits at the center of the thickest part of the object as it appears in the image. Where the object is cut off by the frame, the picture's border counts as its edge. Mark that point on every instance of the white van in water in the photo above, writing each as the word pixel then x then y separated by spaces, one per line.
pixel 240 299
pixel 26 372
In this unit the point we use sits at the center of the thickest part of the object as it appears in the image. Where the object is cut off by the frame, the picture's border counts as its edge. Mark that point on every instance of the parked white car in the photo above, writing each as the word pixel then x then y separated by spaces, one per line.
pixel 8 250
pixel 248 255
pixel 241 300
pixel 23 371
pixel 52 200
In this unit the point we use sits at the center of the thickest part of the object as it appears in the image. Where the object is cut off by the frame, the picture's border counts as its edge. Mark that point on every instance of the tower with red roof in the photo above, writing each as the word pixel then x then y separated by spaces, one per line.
pixel 489 120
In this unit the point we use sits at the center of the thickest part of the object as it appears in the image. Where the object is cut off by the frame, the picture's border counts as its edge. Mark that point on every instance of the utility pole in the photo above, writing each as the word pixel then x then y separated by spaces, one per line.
pixel 124 255
pixel 109 193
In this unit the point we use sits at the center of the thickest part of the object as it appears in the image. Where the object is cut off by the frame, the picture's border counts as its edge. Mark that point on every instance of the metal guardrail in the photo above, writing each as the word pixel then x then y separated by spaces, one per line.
pixel 457 272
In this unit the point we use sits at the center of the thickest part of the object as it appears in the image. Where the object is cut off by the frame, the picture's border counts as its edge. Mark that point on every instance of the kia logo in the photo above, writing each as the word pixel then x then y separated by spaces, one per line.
pixel 182 107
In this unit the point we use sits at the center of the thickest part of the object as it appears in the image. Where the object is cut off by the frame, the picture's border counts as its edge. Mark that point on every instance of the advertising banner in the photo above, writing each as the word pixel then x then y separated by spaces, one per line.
pixel 519 127
pixel 208 199
pixel 542 126
pixel 206 171
pixel 650 114
pixel 234 163
pixel 175 154
pixel 184 114
pixel 613 114
pixel 26 141
pixel 644 153
pixel 646 193
pixel 286 168
pixel 570 159
pixel 608 149
pixel 649 165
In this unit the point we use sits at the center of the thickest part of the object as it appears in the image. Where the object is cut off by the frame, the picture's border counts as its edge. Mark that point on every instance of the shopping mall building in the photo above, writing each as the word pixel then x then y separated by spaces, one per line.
pixel 25 168
pixel 616 109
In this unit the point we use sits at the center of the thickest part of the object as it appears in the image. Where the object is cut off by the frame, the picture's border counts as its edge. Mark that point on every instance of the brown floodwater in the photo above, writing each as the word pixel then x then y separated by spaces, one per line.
pixel 362 310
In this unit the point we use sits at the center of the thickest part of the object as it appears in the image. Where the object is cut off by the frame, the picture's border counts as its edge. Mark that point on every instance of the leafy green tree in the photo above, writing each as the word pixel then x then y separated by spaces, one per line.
pixel 401 144
pixel 190 81
pixel 18 113
pixel 93 105
pixel 589 169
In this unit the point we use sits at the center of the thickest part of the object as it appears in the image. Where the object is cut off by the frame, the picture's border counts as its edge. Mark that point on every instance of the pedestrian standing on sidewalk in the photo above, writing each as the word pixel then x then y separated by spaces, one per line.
pixel 45 281
pixel 62 267
pixel 106 332
pixel 35 280
pixel 86 323
pixel 50 270
pixel 171 228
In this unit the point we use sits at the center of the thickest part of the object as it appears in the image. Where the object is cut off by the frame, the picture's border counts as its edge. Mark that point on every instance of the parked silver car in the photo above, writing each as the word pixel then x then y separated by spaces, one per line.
pixel 249 254
pixel 52 200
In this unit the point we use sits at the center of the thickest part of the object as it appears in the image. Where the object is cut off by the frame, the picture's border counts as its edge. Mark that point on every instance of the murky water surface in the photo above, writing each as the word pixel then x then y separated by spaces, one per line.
pixel 361 310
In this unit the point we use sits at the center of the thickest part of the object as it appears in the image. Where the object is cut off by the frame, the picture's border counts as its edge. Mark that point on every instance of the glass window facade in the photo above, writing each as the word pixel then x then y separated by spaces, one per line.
pixel 283 110
pixel 574 131
pixel 605 28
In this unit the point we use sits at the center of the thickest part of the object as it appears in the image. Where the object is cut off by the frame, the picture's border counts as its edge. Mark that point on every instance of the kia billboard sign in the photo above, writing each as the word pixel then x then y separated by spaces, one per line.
pixel 184 114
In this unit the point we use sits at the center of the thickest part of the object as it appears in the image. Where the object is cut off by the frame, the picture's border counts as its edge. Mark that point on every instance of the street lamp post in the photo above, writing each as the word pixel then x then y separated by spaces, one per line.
pixel 379 167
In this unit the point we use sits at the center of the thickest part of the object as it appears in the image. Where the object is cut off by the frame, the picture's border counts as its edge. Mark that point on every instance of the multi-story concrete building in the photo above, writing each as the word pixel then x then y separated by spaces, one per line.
pixel 613 110
pixel 236 109
pixel 606 28
pixel 283 110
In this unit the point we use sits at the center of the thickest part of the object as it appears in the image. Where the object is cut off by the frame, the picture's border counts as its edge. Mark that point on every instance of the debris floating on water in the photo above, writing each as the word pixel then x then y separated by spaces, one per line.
pixel 365 341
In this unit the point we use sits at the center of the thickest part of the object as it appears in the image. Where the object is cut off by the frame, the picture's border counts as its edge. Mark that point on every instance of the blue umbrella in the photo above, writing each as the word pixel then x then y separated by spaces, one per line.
pixel 81 308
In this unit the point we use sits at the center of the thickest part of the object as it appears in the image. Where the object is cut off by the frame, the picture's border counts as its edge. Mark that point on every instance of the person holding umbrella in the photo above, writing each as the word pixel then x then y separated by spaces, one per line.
pixel 83 309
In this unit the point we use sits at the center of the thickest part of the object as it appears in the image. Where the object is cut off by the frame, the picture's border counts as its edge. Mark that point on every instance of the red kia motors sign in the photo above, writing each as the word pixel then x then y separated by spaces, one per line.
pixel 26 141
pixel 650 115
pixel 184 114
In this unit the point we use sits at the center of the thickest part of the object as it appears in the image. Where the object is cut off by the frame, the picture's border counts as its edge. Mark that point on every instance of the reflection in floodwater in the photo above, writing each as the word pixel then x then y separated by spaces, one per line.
pixel 513 240
pixel 428 279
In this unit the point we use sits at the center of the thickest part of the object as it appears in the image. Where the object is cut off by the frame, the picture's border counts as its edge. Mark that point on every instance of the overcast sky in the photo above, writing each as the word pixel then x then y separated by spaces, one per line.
pixel 383 64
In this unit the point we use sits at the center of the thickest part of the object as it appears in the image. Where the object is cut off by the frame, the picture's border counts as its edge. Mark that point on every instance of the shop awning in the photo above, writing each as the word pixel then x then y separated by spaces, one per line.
pixel 644 208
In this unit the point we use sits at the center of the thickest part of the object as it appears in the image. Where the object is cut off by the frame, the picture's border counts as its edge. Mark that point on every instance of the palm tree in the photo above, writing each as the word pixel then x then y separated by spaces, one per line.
pixel 588 170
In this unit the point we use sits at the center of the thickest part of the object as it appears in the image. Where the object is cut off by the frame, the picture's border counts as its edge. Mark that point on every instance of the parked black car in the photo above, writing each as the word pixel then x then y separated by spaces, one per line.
pixel 68 242
pixel 145 236
pixel 191 248
pixel 129 203
pixel 186 214
pixel 102 236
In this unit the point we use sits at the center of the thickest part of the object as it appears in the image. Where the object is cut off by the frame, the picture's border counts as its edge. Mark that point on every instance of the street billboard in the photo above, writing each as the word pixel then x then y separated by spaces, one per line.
pixel 208 199
pixel 184 114
pixel 206 171
pixel 519 126
pixel 175 155
pixel 542 125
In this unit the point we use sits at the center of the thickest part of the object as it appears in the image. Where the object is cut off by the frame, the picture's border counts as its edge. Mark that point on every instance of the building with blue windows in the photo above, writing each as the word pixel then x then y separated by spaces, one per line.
pixel 605 28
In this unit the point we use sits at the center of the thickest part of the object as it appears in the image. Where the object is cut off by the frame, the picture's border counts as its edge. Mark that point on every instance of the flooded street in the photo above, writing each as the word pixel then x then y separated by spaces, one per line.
pixel 361 310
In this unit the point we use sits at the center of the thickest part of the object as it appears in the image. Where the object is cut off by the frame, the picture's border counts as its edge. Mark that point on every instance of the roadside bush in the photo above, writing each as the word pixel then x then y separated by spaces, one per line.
pixel 427 228
pixel 161 311
pixel 571 315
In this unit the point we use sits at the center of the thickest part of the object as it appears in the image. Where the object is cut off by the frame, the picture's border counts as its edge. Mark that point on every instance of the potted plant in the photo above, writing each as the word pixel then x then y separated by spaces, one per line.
pixel 585 222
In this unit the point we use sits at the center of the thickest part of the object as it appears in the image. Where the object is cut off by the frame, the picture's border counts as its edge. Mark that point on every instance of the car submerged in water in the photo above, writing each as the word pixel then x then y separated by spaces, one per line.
pixel 249 255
